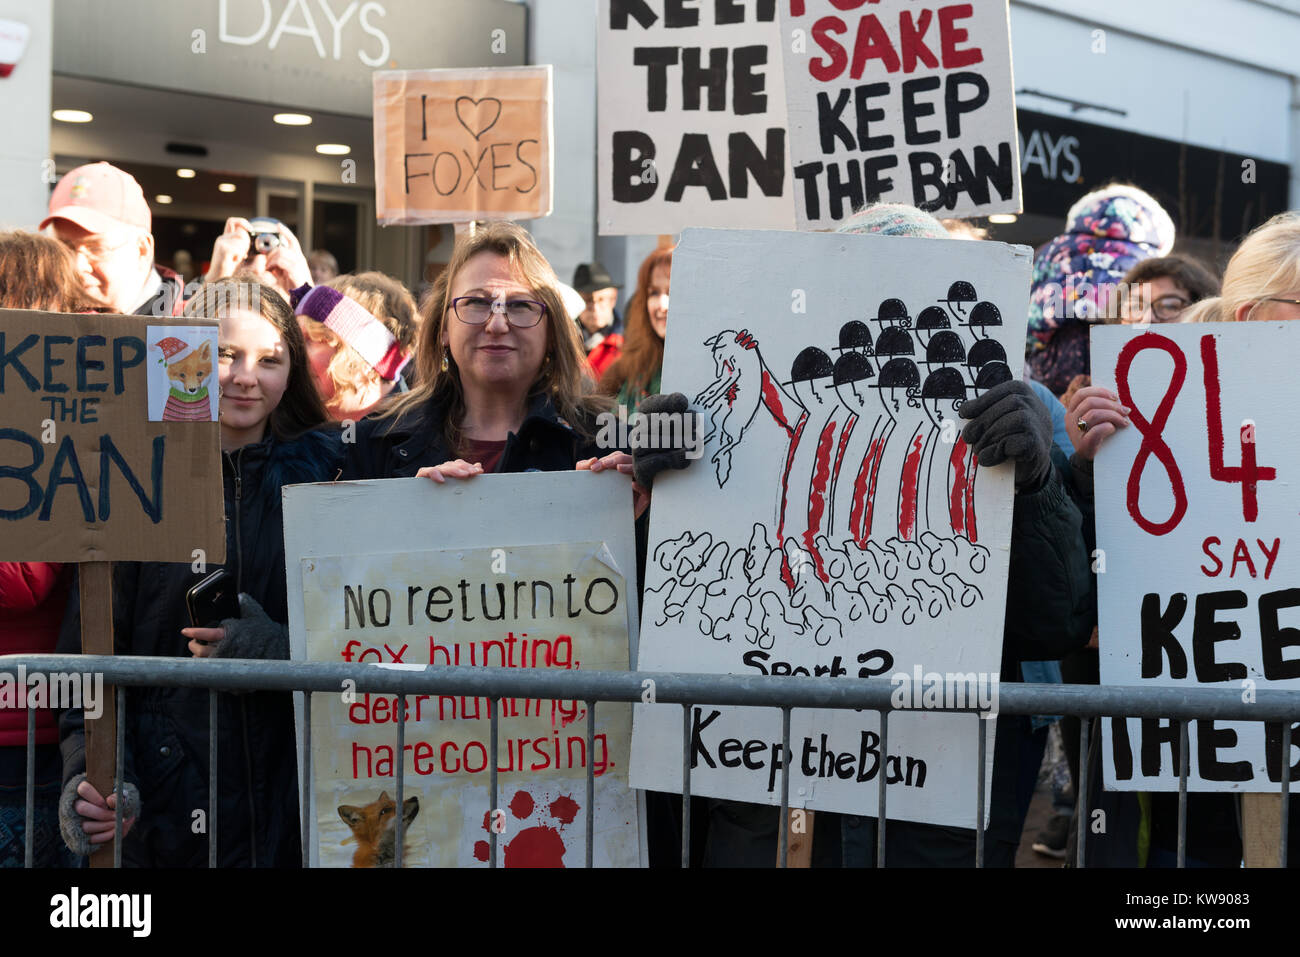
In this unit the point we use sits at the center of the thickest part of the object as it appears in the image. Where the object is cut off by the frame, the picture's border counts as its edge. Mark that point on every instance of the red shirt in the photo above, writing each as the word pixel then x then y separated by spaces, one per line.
pixel 603 356
pixel 486 454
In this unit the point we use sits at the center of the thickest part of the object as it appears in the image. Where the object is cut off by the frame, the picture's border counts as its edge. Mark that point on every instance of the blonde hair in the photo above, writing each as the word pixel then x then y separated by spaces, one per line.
pixel 384 298
pixel 1207 310
pixel 1266 264
pixel 354 379
pixel 564 376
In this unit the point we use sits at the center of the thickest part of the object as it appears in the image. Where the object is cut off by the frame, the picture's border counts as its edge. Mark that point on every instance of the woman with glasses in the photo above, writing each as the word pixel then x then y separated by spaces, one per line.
pixel 1161 289
pixel 503 382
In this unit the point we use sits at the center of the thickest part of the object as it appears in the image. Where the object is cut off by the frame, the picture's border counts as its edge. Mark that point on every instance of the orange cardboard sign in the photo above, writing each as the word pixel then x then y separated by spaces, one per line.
pixel 462 145
pixel 88 473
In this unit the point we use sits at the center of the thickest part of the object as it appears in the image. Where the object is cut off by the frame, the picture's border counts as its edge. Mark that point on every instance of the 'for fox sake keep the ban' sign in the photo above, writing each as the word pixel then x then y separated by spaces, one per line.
pixel 903 101
pixel 1197 530
pixel 109 442
pixel 837 523
pixel 454 146
pixel 535 587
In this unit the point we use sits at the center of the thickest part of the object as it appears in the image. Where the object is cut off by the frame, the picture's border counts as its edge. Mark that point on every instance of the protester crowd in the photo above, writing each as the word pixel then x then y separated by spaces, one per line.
pixel 502 369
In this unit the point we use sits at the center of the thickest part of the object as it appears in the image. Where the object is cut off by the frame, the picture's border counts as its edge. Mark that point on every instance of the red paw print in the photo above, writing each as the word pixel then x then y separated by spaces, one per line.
pixel 540 845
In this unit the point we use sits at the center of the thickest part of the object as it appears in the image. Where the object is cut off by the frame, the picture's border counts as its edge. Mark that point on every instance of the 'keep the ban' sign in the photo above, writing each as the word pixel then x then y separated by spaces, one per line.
pixel 1197 520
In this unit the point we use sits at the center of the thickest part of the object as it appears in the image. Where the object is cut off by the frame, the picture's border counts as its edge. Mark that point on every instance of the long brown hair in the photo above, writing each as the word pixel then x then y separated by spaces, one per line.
pixel 300 408
pixel 38 272
pixel 566 378
pixel 643 353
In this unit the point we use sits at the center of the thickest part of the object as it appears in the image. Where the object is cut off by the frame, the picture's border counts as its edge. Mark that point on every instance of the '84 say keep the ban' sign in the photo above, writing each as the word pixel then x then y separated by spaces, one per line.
pixel 1198 531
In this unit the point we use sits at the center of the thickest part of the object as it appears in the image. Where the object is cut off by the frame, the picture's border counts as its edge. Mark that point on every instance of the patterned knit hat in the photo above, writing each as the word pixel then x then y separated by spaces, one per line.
pixel 348 320
pixel 893 219
pixel 1076 276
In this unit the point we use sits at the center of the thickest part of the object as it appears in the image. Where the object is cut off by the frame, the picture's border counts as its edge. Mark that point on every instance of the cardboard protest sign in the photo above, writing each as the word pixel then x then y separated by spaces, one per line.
pixel 547 583
pixel 692 126
pixel 87 472
pixel 837 523
pixel 456 146
pixel 900 101
pixel 1198 583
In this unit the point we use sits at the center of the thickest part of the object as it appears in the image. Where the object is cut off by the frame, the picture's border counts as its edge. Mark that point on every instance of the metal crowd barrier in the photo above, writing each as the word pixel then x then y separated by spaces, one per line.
pixel 784 693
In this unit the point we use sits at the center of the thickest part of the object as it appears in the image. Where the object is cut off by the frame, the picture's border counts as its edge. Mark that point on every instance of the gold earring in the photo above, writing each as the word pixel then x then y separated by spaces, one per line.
pixel 446 356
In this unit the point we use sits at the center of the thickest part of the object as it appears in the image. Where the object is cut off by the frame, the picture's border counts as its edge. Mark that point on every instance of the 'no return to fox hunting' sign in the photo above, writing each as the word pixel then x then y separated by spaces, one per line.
pixel 447 576
pixel 109 444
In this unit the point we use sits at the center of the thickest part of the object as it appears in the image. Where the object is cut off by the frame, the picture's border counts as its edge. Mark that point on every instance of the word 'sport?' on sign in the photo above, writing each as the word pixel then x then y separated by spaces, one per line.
pixel 900 101
pixel 85 476
pixel 692 124
pixel 454 146
pixel 1198 525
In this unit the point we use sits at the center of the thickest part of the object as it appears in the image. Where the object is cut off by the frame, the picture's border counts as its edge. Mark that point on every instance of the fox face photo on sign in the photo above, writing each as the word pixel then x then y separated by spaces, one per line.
pixel 837 523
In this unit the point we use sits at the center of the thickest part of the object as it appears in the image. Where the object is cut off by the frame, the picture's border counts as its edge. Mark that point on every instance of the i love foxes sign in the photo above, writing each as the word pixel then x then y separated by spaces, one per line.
pixel 89 470
pixel 453 146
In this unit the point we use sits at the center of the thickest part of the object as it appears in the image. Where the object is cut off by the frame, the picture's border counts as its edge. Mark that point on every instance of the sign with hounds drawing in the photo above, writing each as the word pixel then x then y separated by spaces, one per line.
pixel 837 523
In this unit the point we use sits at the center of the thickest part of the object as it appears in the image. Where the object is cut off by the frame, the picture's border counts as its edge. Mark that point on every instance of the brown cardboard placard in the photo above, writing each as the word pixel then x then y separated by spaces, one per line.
pixel 85 476
pixel 453 146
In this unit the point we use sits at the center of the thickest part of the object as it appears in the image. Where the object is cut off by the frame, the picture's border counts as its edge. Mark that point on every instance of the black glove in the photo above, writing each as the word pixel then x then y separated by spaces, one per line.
pixel 647 463
pixel 253 634
pixel 70 821
pixel 1010 422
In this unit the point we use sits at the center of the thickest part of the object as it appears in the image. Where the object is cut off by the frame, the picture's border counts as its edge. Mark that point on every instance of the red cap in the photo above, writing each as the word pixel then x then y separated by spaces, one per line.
pixel 98 197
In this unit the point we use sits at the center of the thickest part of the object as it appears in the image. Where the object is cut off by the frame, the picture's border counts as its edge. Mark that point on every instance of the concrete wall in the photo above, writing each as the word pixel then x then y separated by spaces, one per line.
pixel 563 34
pixel 1222 74
pixel 25 177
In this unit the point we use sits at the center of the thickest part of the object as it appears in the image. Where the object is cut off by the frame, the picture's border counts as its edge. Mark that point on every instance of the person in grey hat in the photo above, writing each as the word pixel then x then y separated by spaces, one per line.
pixel 601 327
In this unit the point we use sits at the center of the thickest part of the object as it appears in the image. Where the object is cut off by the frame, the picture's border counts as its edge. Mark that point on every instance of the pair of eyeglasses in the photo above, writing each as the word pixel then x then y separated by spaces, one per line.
pixel 1293 302
pixel 94 251
pixel 1168 308
pixel 520 313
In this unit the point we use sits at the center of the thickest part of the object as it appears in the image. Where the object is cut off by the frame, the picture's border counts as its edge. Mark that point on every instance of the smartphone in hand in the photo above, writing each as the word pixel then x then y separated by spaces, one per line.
pixel 213 600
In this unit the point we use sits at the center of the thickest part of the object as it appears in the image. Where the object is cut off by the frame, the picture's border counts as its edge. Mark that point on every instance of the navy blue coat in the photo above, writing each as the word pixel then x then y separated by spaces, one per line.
pixel 167 728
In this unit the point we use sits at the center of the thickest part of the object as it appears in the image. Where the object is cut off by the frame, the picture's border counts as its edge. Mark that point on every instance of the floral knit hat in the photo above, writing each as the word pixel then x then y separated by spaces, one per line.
pixel 1076 275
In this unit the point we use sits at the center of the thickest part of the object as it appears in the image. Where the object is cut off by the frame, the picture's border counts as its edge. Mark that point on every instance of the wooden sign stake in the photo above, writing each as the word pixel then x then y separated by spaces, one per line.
pixel 798 843
pixel 1261 819
pixel 96 592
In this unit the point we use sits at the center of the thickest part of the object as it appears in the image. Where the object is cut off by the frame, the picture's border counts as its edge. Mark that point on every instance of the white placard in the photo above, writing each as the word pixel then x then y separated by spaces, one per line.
pixel 895 542
pixel 692 124
pixel 1198 586
pixel 446 575
pixel 900 101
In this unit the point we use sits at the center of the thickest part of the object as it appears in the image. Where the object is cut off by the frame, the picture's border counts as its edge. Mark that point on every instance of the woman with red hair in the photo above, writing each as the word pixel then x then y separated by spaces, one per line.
pixel 637 372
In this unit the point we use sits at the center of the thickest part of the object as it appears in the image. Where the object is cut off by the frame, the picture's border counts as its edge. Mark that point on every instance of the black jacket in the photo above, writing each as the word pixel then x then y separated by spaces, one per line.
pixel 1051 603
pixel 167 728
pixel 399 447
